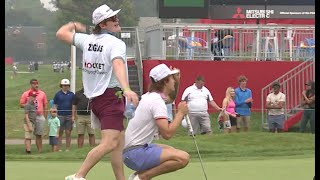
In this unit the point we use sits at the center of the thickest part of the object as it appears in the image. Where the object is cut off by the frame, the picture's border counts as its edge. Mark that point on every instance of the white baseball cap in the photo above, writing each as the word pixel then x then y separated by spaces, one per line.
pixel 161 71
pixel 101 13
pixel 65 82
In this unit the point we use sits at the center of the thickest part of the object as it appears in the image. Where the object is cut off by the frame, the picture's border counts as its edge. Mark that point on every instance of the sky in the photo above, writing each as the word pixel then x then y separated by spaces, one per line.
pixel 47 5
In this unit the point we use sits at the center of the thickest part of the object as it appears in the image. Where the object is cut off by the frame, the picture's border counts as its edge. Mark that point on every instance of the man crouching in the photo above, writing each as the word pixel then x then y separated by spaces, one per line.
pixel 140 154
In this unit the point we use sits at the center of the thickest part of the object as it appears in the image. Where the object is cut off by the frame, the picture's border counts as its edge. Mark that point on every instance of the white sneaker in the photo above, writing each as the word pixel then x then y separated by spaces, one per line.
pixel 72 177
pixel 131 176
pixel 136 177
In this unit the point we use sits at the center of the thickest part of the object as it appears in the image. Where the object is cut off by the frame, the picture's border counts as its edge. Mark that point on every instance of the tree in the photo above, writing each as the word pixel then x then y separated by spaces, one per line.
pixel 20 47
pixel 81 10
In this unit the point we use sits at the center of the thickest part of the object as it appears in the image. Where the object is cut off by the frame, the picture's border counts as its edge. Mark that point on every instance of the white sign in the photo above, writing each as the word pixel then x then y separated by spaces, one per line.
pixel 125 35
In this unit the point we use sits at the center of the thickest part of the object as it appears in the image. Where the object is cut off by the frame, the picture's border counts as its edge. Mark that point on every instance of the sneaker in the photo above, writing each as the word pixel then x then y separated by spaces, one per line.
pixel 131 176
pixel 136 177
pixel 72 177
pixel 67 150
pixel 60 150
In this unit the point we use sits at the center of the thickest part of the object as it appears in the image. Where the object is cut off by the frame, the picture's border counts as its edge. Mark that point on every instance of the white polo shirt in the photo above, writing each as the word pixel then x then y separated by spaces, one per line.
pixel 99 50
pixel 197 98
pixel 142 127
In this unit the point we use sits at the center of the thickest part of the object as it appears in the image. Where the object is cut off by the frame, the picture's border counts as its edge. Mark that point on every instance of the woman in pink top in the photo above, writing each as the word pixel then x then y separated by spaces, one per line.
pixel 229 106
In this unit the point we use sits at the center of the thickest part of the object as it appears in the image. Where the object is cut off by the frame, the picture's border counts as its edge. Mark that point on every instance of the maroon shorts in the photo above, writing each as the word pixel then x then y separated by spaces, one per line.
pixel 109 109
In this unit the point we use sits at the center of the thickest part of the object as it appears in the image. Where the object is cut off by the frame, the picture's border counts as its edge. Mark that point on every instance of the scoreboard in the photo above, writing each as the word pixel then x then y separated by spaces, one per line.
pixel 229 9
pixel 183 8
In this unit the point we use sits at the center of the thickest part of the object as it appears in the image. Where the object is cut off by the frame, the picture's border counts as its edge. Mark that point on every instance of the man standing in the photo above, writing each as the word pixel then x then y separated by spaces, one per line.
pixel 243 102
pixel 140 154
pixel 63 103
pixel 105 74
pixel 198 97
pixel 41 104
pixel 275 104
pixel 81 108
pixel 308 103
pixel 14 70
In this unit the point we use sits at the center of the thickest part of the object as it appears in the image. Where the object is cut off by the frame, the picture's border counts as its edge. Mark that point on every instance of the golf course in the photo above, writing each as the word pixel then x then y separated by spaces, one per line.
pixel 256 155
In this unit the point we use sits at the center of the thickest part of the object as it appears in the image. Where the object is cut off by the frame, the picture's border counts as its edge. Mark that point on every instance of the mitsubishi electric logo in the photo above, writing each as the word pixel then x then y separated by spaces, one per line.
pixel 252 13
pixel 238 14
pixel 256 14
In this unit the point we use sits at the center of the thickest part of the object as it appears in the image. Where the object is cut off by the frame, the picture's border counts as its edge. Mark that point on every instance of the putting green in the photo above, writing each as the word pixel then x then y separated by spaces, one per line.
pixel 282 169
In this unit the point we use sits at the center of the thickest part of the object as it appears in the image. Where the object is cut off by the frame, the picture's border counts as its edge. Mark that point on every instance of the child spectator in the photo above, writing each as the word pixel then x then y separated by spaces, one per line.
pixel 29 120
pixel 54 127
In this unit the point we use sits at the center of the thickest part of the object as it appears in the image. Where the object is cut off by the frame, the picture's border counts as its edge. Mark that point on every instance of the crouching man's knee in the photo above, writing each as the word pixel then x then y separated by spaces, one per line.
pixel 184 159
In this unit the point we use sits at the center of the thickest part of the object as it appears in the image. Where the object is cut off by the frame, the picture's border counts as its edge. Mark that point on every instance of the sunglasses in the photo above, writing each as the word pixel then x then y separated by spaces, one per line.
pixel 34 82
pixel 53 111
pixel 113 18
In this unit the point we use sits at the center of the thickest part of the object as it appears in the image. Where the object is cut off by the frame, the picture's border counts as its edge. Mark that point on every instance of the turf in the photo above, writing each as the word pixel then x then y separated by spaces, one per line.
pixel 271 169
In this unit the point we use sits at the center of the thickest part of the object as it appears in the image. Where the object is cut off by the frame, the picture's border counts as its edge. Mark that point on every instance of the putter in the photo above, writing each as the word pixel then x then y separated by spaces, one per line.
pixel 195 142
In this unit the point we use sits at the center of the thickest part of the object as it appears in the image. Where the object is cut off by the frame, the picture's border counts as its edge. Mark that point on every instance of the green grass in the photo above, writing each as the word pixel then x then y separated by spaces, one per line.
pixel 275 169
pixel 219 147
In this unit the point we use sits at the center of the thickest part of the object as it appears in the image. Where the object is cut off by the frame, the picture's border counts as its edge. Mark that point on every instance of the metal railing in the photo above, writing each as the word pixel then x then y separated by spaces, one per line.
pixel 138 61
pixel 247 41
pixel 292 85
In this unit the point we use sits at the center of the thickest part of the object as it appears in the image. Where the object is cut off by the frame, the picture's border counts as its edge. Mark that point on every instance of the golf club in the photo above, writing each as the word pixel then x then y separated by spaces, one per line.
pixel 194 140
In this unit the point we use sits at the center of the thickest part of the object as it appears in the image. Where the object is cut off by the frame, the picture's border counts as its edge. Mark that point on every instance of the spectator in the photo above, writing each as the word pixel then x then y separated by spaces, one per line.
pixel 275 104
pixel 140 154
pixel 69 65
pixel 14 71
pixel 229 106
pixel 29 120
pixel 41 104
pixel 63 103
pixel 82 109
pixel 243 100
pixel 36 66
pixel 55 66
pixel 224 121
pixel 217 45
pixel 308 103
pixel 54 128
pixel 198 97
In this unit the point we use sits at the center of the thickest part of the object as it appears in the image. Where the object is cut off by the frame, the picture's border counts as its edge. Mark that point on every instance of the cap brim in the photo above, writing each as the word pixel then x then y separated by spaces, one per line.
pixel 175 71
pixel 114 13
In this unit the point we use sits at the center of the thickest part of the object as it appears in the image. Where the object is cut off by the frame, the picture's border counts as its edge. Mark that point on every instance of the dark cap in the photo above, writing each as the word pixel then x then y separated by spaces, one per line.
pixel 33 93
pixel 276 83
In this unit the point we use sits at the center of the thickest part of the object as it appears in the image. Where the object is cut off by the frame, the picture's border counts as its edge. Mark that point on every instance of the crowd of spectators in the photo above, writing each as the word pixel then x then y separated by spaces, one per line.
pixel 73 110
pixel 65 109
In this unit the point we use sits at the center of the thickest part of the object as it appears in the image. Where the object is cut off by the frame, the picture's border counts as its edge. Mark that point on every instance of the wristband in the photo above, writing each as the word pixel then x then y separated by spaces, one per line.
pixel 126 89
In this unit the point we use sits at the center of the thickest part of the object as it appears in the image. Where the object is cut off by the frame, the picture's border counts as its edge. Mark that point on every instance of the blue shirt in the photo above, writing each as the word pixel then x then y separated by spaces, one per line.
pixel 64 102
pixel 242 108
